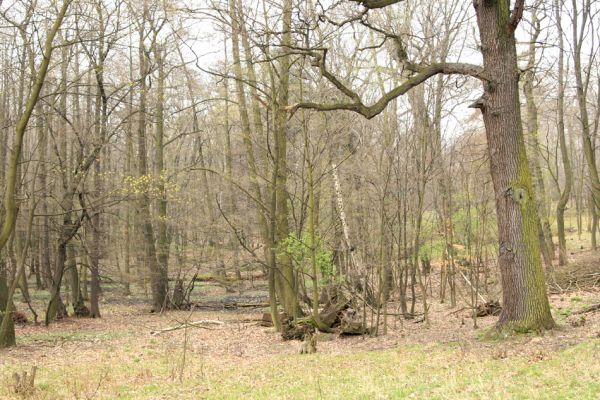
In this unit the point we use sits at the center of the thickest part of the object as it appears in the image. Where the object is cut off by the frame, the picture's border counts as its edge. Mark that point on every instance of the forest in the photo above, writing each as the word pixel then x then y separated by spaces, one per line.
pixel 299 199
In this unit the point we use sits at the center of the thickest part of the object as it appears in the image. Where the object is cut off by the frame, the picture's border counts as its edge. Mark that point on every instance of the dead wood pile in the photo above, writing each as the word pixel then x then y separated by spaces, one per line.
pixel 338 315
pixel 583 274
pixel 491 307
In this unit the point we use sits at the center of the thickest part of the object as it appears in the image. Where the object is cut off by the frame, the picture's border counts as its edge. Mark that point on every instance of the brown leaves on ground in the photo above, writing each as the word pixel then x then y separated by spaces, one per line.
pixel 242 336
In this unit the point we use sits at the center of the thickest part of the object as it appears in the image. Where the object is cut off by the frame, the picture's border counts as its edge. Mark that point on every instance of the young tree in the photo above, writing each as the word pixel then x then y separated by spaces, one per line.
pixel 7 337
pixel 564 151
pixel 580 24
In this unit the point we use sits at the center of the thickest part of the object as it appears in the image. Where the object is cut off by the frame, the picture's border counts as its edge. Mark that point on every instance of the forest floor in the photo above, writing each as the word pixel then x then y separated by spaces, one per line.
pixel 116 356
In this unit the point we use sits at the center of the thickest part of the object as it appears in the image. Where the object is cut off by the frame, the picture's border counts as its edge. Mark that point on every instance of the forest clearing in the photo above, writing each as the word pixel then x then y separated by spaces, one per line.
pixel 299 199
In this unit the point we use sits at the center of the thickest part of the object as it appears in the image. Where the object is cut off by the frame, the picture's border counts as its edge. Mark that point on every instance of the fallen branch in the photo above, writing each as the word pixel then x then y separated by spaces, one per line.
pixel 229 306
pixel 196 324
pixel 470 284
pixel 595 307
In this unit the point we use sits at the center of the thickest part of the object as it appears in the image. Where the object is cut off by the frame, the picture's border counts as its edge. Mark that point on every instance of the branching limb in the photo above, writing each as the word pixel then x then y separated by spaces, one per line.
pixel 422 73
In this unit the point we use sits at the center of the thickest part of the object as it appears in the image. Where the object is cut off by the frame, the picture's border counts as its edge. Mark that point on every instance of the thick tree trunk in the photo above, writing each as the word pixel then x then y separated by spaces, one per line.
pixel 525 303
pixel 79 307
pixel 95 243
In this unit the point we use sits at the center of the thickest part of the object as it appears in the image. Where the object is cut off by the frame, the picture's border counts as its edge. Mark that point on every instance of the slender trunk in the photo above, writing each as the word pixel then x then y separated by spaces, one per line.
pixel 7 330
pixel 286 278
pixel 157 283
pixel 579 32
pixel 545 233
pixel 10 205
pixel 162 237
pixel 423 134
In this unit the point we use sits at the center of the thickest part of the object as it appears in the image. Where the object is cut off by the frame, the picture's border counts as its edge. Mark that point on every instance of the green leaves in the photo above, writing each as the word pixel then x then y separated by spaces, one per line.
pixel 299 250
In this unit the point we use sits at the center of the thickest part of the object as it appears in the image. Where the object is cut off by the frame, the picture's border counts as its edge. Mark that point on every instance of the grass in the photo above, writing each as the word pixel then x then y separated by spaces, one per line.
pixel 441 371
pixel 56 337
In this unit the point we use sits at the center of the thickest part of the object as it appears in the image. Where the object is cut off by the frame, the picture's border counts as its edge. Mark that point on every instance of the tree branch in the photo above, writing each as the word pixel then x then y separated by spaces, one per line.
pixel 422 74
pixel 373 4
pixel 517 14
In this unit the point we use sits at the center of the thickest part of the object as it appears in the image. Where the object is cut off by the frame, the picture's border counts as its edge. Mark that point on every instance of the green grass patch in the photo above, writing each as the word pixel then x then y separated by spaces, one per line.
pixel 437 371
pixel 69 336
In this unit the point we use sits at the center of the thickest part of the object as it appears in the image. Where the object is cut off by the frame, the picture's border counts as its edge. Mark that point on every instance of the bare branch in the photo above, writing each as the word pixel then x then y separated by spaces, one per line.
pixel 517 14
pixel 422 74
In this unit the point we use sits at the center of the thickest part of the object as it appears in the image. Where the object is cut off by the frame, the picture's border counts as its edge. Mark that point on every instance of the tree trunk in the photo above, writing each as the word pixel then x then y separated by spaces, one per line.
pixel 10 205
pixel 157 283
pixel 162 239
pixel 285 278
pixel 545 233
pixel 525 302
pixel 579 35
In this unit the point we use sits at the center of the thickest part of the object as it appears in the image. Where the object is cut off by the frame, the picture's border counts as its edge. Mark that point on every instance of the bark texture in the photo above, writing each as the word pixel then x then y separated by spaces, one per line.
pixel 525 302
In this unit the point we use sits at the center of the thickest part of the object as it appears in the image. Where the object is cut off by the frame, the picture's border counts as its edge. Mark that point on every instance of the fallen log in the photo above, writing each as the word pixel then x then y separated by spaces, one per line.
pixel 196 324
pixel 216 306
pixel 351 325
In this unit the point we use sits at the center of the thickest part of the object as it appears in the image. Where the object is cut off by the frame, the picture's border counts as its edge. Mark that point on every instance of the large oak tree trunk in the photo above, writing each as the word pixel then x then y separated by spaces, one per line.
pixel 525 302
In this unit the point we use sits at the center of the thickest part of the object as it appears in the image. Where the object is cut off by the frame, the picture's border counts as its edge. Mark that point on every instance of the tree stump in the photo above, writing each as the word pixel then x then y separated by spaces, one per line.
pixel 24 384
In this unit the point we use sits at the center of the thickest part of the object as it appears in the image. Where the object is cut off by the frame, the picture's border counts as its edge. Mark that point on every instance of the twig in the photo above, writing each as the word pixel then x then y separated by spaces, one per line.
pixel 197 324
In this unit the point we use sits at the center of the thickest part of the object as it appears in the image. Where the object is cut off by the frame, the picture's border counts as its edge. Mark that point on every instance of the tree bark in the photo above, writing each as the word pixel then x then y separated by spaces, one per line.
pixel 525 302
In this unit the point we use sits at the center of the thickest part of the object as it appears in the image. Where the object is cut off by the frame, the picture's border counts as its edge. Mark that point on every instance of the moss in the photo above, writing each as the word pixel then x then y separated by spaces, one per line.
pixel 526 326
pixel 493 334
pixel 576 299
pixel 536 315
pixel 503 7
